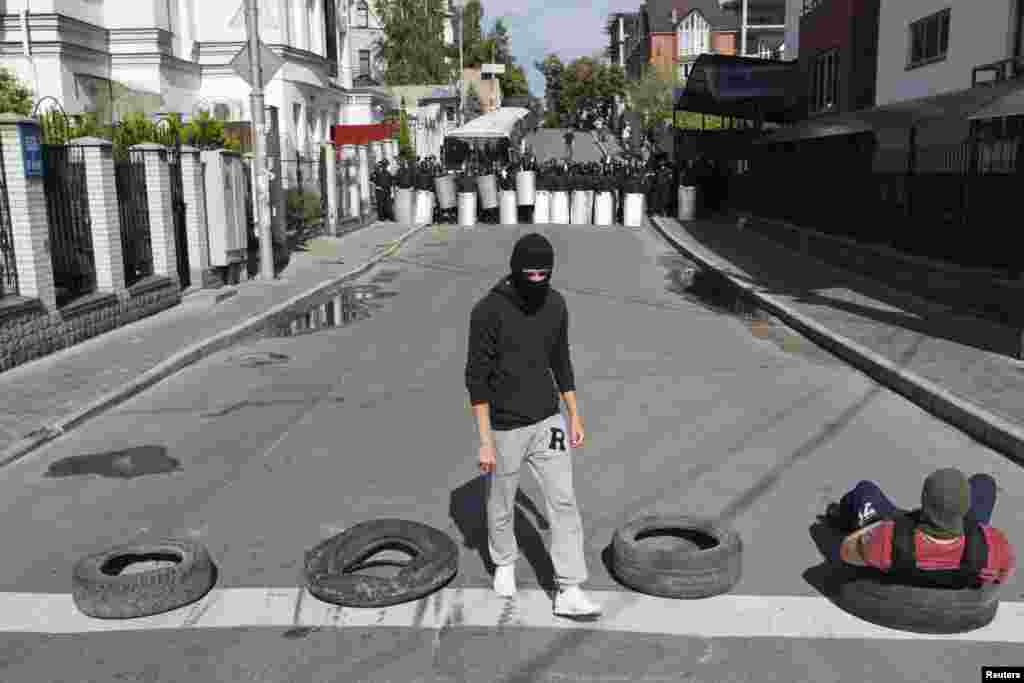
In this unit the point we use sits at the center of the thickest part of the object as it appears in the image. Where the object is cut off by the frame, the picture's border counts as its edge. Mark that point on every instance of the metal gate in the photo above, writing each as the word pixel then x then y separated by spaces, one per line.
pixel 133 206
pixel 8 273
pixel 178 212
pixel 67 203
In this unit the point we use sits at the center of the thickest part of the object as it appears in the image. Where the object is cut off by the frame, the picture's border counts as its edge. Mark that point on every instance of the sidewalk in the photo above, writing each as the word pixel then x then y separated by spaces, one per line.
pixel 948 365
pixel 50 395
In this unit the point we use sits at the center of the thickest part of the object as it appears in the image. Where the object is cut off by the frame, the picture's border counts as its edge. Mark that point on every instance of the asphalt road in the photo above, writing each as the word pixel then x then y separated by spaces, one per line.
pixel 548 143
pixel 688 409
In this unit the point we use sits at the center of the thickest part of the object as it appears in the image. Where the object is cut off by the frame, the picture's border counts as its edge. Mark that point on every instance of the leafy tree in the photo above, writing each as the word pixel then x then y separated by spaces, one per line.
pixel 15 96
pixel 501 43
pixel 405 135
pixel 205 132
pixel 588 85
pixel 412 45
pixel 651 96
pixel 472 16
pixel 474 107
pixel 513 81
pixel 552 69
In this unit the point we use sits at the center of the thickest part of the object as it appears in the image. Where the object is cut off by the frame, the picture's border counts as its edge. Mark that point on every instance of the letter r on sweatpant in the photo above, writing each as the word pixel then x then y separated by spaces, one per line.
pixel 544 447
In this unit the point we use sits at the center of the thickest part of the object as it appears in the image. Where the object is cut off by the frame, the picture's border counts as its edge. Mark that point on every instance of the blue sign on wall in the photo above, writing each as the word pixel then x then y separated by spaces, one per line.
pixel 31 149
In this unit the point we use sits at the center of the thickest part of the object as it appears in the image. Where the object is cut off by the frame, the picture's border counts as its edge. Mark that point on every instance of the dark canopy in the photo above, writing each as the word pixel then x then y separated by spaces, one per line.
pixel 742 87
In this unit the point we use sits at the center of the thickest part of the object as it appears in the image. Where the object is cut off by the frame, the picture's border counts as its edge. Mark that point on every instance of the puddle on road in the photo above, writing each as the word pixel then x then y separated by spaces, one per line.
pixel 339 308
pixel 129 463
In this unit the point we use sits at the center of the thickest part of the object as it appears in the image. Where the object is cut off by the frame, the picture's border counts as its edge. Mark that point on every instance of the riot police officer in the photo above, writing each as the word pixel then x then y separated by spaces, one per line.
pixel 381 180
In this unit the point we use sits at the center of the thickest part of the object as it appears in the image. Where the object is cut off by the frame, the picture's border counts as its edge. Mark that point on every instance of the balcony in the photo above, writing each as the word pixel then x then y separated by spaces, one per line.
pixel 1003 70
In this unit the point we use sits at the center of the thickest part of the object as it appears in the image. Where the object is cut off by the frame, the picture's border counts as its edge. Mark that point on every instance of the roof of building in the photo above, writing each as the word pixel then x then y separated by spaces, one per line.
pixel 659 14
pixel 496 124
pixel 414 94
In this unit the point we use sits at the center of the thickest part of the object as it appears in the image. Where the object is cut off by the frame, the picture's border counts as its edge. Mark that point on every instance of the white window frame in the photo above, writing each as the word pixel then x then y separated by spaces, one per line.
pixel 369 63
pixel 694 35
pixel 362 14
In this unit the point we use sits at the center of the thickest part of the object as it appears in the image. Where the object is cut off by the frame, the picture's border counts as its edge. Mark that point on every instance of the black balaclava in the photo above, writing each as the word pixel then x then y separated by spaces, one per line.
pixel 532 251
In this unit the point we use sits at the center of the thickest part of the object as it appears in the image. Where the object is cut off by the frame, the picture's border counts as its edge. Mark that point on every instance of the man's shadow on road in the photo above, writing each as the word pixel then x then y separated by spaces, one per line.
pixel 468 509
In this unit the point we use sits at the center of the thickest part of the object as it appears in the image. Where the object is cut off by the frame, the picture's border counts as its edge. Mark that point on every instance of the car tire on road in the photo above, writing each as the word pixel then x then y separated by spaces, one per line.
pixel 699 572
pixel 435 562
pixel 918 609
pixel 100 590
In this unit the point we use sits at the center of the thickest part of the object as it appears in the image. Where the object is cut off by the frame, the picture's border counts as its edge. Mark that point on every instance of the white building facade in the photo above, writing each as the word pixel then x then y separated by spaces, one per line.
pixel 167 56
pixel 929 47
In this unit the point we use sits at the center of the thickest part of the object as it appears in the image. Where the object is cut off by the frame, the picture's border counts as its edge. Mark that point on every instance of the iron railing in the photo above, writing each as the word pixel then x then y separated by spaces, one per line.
pixel 67 203
pixel 133 207
pixel 949 209
pixel 178 213
pixel 8 271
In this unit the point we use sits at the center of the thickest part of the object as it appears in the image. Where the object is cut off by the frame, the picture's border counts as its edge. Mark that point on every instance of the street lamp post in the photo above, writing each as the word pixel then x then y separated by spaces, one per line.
pixel 261 209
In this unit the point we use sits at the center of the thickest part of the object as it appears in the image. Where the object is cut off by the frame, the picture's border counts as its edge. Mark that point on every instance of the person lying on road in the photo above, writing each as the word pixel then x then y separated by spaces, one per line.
pixel 947 542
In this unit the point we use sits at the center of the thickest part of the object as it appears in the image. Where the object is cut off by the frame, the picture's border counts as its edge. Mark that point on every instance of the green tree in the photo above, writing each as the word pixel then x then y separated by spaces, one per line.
pixel 474 107
pixel 472 35
pixel 405 135
pixel 651 96
pixel 15 96
pixel 552 69
pixel 513 81
pixel 587 84
pixel 205 132
pixel 412 44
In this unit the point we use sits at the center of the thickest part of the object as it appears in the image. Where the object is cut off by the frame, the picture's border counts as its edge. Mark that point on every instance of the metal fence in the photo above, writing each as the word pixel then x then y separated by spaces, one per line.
pixel 178 213
pixel 133 206
pixel 956 210
pixel 8 272
pixel 67 203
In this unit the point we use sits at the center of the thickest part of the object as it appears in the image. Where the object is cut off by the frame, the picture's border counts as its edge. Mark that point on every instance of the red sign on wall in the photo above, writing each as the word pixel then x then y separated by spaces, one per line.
pixel 361 135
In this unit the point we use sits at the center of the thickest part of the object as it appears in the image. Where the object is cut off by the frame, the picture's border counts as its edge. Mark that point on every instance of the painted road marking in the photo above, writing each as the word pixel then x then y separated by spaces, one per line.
pixel 723 616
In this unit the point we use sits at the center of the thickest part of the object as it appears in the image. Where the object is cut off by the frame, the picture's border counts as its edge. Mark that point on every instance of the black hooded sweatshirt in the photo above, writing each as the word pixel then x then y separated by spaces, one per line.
pixel 514 350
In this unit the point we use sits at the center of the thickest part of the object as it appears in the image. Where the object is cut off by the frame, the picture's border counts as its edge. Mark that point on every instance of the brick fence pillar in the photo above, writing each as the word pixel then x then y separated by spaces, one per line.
pixel 331 183
pixel 364 176
pixel 161 220
pixel 104 213
pixel 30 222
pixel 194 192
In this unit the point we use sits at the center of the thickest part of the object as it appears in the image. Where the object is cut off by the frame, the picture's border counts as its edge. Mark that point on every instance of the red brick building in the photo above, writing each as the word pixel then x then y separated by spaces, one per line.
pixel 839 54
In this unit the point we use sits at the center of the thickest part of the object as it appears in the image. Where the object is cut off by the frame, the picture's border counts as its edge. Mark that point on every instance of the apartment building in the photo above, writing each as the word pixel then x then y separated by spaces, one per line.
pixel 118 56
pixel 839 54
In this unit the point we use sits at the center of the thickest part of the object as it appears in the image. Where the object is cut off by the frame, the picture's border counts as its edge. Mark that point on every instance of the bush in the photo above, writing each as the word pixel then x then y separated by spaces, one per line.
pixel 303 208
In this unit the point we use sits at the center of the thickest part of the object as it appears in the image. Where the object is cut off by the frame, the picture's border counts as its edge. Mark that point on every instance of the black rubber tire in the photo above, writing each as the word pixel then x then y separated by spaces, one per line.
pixel 917 609
pixel 126 596
pixel 687 574
pixel 435 563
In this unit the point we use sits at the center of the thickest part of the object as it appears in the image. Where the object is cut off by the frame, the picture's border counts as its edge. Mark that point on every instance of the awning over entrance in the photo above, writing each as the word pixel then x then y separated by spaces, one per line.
pixel 1011 104
pixel 742 87
pixel 821 127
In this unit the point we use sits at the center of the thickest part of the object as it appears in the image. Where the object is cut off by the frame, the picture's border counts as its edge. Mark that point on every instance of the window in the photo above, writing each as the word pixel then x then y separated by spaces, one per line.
pixel 694 33
pixel 825 81
pixel 362 14
pixel 221 112
pixel 929 39
pixel 364 62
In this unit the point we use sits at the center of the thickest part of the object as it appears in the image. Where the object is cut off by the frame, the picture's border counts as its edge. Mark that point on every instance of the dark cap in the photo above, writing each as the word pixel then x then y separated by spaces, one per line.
pixel 945 499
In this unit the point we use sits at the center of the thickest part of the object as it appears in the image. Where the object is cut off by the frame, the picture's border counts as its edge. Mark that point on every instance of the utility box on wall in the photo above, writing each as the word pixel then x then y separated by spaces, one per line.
pixel 226 207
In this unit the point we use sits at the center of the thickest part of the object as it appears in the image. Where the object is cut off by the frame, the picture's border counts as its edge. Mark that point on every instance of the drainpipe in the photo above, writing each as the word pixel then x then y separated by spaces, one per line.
pixel 26 47
pixel 743 28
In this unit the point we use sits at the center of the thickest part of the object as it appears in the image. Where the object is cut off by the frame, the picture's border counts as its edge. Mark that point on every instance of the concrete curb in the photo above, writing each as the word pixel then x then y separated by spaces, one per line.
pixel 984 426
pixel 184 358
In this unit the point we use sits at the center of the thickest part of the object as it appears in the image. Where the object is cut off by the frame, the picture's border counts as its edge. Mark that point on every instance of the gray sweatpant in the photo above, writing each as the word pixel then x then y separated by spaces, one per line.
pixel 543 446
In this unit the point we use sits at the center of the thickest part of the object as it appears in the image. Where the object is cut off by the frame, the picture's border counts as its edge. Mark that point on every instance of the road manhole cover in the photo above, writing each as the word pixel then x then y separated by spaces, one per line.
pixel 258 359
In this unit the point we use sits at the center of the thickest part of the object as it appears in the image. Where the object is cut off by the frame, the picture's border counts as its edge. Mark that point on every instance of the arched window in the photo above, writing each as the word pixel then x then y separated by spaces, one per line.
pixel 362 14
pixel 221 112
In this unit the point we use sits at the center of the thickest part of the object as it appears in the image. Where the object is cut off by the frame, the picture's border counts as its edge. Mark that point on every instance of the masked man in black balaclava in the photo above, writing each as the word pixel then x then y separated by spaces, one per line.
pixel 518 340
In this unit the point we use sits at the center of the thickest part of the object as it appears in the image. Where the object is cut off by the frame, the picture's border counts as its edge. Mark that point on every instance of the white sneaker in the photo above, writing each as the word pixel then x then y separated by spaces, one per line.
pixel 573 602
pixel 505 580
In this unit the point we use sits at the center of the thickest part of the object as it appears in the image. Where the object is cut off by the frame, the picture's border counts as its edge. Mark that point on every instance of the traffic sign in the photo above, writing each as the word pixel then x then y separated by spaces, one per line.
pixel 270 64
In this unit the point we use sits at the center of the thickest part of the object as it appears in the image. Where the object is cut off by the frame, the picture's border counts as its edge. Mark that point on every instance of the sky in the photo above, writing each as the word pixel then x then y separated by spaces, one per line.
pixel 569 28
